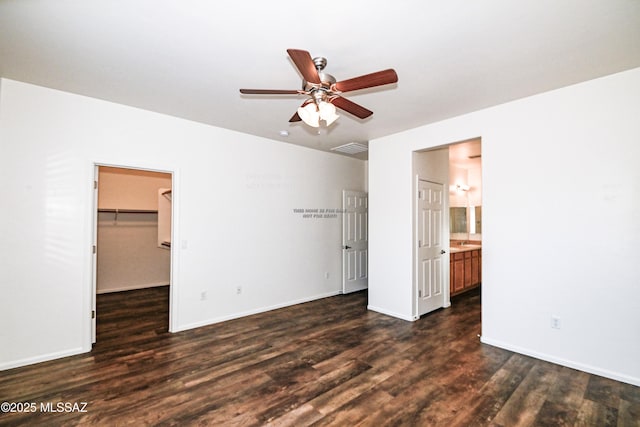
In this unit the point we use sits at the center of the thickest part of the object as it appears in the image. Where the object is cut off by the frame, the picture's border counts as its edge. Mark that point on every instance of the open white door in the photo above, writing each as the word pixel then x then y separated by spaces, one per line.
pixel 355 235
pixel 429 247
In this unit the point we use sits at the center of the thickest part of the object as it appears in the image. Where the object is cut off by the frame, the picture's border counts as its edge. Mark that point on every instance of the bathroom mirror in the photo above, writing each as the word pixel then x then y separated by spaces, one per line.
pixel 458 220
pixel 463 220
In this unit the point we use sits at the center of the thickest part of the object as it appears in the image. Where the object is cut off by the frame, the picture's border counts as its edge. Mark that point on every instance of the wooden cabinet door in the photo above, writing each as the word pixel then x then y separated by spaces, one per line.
pixel 467 269
pixel 451 273
pixel 475 268
pixel 458 272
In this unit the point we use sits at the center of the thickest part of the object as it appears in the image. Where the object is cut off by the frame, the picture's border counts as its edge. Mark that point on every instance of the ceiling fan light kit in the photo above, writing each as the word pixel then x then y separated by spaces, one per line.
pixel 327 112
pixel 309 114
pixel 324 91
pixel 314 111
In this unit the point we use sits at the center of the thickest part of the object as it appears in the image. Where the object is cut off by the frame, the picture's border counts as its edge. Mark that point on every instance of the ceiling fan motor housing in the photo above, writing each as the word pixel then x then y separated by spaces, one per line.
pixel 326 79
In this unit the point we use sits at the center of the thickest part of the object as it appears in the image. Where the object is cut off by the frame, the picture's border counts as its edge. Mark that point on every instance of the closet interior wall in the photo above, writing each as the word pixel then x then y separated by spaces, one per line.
pixel 130 255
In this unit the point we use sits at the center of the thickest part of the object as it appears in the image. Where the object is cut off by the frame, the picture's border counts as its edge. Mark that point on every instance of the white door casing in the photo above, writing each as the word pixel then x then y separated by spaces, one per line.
pixel 94 266
pixel 173 218
pixel 429 248
pixel 355 235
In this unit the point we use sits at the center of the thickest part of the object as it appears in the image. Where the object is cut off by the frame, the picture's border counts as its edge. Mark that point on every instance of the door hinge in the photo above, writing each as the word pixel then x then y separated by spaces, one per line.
pixel 93 314
pixel 420 293
pixel 95 185
pixel 94 249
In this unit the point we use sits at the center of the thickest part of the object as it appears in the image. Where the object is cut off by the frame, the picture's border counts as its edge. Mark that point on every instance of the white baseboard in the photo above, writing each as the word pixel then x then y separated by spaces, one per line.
pixel 251 312
pixel 41 358
pixel 131 287
pixel 563 362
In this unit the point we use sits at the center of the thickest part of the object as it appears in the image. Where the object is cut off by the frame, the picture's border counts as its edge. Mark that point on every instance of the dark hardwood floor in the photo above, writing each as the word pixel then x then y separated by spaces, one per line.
pixel 327 362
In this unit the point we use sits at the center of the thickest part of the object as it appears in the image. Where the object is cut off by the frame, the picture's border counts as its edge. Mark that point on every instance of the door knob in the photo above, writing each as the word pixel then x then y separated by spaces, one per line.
pixel 347 247
pixel 442 252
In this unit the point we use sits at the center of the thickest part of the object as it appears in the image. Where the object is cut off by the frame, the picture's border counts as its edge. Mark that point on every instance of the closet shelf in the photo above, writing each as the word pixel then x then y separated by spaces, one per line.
pixel 127 211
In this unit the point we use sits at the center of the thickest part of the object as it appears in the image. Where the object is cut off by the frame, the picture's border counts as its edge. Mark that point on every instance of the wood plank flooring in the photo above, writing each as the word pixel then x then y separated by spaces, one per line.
pixel 327 362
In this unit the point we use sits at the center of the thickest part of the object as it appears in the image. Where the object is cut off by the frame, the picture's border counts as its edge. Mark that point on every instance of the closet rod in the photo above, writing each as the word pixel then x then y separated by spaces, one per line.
pixel 128 210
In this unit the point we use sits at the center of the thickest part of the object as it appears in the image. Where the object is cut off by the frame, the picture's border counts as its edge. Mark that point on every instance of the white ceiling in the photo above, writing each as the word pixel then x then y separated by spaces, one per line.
pixel 188 58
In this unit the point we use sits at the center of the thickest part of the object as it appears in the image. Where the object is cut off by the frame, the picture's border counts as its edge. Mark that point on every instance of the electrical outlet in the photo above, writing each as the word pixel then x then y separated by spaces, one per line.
pixel 555 322
pixel 238 289
pixel 203 295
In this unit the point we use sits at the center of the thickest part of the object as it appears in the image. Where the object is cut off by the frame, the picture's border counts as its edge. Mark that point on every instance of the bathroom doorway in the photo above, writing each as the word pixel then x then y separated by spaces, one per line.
pixel 459 236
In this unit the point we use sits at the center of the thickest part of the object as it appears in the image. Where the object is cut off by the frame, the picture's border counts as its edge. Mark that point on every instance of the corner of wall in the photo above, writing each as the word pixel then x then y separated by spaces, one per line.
pixel 1 85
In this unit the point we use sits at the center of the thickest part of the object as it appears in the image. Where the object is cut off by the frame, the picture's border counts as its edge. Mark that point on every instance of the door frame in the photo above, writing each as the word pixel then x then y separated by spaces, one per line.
pixel 173 268
pixel 445 235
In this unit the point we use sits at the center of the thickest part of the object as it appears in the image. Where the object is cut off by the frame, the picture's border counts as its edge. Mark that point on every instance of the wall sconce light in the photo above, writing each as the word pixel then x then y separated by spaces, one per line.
pixel 462 187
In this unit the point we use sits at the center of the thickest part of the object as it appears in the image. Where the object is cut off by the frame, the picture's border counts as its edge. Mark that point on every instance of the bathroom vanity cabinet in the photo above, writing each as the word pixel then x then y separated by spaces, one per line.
pixel 465 269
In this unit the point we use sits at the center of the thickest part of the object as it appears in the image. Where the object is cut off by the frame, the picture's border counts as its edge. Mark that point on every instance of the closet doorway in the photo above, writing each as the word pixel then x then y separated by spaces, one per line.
pixel 132 234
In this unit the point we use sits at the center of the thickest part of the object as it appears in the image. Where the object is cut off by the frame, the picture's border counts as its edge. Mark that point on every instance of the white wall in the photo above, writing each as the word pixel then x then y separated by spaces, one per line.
pixel 458 175
pixel 128 253
pixel 475 183
pixel 561 202
pixel 233 211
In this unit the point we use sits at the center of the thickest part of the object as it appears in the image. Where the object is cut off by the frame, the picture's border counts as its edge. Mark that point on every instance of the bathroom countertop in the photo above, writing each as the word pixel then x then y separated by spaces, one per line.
pixel 463 248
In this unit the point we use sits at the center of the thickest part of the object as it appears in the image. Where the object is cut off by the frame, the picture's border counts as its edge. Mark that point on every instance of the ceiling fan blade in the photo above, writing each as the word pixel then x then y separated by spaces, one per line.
pixel 351 107
pixel 305 65
pixel 368 80
pixel 270 92
pixel 295 118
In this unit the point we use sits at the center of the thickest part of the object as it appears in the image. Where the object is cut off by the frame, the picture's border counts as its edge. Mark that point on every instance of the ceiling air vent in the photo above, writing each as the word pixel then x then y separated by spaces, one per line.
pixel 351 148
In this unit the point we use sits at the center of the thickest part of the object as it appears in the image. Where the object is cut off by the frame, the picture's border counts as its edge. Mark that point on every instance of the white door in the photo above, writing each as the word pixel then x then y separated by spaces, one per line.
pixel 430 290
pixel 355 235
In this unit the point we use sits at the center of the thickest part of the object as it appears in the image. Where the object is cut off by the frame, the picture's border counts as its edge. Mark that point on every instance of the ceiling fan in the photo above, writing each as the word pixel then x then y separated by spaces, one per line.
pixel 324 91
